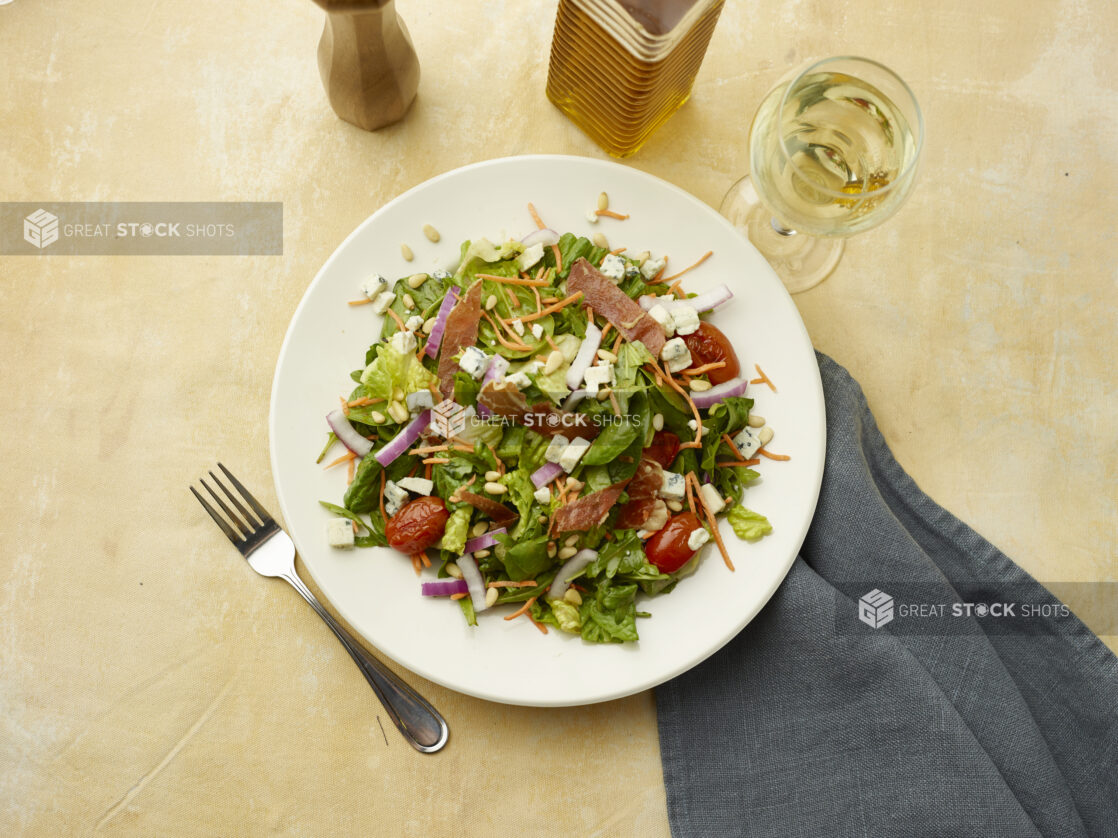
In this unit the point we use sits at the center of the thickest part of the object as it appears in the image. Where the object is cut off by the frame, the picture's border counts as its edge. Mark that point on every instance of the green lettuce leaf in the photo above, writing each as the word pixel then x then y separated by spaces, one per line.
pixel 566 614
pixel 392 370
pixel 523 559
pixel 610 616
pixel 747 524
pixel 457 527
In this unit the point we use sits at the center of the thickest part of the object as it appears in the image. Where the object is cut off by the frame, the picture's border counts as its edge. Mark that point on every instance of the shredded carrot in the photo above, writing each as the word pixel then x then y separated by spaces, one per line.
pixel 383 514
pixel 605 329
pixel 522 610
pixel 738 463
pixel 539 304
pixel 734 448
pixel 364 400
pixel 360 302
pixel 551 342
pixel 396 317
pixel 514 301
pixel 500 463
pixel 504 583
pixel 764 379
pixel 423 558
pixel 553 308
pixel 345 405
pixel 550 300
pixel 611 214
pixel 558 257
pixel 711 520
pixel 430 449
pixel 437 461
pixel 349 472
pixel 702 259
pixel 713 365
pixel 535 216
pixel 617 343
pixel 617 250
pixel 677 289
pixel 427 471
pixel 347 457
pixel 520 347
pixel 459 596
pixel 538 624
pixel 470 482
pixel 608 536
pixel 613 403
pixel 514 280
pixel 590 313
pixel 690 495
pixel 765 453
pixel 415 564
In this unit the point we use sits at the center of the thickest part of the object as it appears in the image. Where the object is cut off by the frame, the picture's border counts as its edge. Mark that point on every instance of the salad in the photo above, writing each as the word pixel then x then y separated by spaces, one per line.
pixel 553 427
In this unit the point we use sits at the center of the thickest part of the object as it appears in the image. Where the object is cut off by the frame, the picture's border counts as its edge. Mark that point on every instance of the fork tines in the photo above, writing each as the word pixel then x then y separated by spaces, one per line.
pixel 242 528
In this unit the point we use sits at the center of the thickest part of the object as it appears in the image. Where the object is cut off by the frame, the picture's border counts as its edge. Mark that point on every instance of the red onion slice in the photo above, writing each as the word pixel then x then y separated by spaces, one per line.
pixel 585 356
pixel 444 587
pixel 347 434
pixel 405 439
pixel 547 237
pixel 483 542
pixel 701 302
pixel 711 397
pixel 474 582
pixel 569 571
pixel 498 366
pixel 545 474
pixel 436 337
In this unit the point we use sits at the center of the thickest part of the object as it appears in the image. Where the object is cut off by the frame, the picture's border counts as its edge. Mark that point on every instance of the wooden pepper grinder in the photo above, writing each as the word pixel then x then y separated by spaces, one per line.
pixel 368 64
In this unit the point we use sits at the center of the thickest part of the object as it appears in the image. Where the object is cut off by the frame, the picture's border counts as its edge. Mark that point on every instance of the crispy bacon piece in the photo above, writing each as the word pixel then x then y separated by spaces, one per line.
pixel 460 332
pixel 505 399
pixel 612 303
pixel 500 513
pixel 644 490
pixel 586 512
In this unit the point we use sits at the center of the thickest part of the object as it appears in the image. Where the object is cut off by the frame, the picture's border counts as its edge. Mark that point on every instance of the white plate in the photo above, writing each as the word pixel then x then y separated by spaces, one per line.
pixel 376 589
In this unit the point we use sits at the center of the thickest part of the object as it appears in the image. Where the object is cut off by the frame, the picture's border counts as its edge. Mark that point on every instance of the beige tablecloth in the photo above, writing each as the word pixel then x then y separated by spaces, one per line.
pixel 151 685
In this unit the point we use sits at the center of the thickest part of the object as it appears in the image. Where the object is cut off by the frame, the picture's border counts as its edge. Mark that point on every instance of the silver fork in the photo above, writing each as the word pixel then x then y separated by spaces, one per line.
pixel 270 552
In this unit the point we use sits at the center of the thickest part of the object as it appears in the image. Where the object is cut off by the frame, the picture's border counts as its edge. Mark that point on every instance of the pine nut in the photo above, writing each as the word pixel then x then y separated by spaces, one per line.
pixel 603 394
pixel 453 571
pixel 496 488
pixel 658 422
pixel 572 540
pixel 491 302
pixel 492 476
pixel 378 417
pixel 398 412
pixel 491 597
pixel 405 251
pixel 542 519
pixel 766 435
pixel 642 257
pixel 573 597
pixel 480 528
pixel 698 385
pixel 416 280
pixel 567 552
pixel 398 394
pixel 481 554
pixel 606 355
pixel 429 326
pixel 554 361
pixel 431 233
pixel 603 201
pixel 601 241
pixel 674 506
pixel 409 302
pixel 756 421
pixel 551 549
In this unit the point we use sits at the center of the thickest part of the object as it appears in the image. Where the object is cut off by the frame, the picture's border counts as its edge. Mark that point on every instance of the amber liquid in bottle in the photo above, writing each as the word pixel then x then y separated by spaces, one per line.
pixel 619 88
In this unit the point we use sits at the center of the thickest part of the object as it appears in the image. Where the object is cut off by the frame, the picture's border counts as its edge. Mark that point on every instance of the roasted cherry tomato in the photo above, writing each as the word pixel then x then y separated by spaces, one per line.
pixel 708 345
pixel 663 448
pixel 418 525
pixel 668 549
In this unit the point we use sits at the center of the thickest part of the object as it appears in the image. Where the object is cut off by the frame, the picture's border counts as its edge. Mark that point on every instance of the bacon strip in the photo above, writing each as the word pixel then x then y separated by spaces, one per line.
pixel 612 303
pixel 588 511
pixel 500 513
pixel 505 399
pixel 460 331
pixel 644 490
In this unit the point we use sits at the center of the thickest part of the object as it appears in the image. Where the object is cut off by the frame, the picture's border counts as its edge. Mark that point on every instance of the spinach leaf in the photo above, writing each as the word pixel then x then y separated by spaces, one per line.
pixel 612 442
pixel 523 559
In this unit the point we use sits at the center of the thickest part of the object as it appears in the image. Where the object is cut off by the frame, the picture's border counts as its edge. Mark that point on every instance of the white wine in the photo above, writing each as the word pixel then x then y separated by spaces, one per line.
pixel 836 159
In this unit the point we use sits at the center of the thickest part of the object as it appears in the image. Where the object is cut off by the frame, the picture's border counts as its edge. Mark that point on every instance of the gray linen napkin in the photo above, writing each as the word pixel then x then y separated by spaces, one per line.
pixel 811 723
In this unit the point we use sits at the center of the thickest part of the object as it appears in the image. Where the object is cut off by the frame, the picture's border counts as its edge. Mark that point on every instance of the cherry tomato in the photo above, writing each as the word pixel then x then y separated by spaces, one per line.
pixel 668 549
pixel 708 345
pixel 418 525
pixel 663 448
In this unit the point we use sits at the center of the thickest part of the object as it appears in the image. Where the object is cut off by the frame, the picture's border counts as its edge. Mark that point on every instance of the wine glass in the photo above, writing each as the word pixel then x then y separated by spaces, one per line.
pixel 833 151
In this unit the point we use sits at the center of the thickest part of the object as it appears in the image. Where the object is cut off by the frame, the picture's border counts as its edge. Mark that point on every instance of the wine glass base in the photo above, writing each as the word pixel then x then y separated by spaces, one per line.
pixel 801 261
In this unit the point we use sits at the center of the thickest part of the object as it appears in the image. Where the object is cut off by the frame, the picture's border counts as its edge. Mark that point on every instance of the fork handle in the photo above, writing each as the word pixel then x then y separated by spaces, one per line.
pixel 421 724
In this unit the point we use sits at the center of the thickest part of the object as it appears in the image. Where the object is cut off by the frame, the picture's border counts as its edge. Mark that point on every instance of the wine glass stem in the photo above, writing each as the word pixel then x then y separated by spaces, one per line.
pixel 780 229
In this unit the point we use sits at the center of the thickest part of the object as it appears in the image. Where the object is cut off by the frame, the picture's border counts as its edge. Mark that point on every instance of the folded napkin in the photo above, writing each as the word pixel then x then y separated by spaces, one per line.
pixel 814 723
